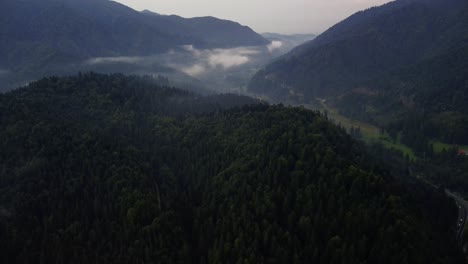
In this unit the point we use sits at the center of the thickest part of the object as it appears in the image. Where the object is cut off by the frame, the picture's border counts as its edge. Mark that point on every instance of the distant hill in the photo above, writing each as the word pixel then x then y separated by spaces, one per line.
pixel 43 36
pixel 367 45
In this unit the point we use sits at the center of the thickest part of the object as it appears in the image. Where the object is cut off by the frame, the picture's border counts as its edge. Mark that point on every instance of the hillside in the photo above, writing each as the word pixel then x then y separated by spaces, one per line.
pixel 70 29
pixel 50 37
pixel 115 169
pixel 429 99
pixel 365 46
pixel 214 32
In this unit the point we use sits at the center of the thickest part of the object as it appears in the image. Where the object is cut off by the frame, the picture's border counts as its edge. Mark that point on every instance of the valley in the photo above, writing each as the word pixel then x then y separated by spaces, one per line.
pixel 175 132
pixel 367 132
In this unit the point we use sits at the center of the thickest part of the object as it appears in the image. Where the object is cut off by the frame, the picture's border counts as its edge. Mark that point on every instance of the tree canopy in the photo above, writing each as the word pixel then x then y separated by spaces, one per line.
pixel 114 169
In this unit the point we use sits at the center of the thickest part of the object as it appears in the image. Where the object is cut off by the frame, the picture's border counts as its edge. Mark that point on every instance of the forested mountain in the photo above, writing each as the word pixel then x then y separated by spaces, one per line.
pixel 365 46
pixel 214 32
pixel 428 100
pixel 38 31
pixel 424 101
pixel 44 37
pixel 115 169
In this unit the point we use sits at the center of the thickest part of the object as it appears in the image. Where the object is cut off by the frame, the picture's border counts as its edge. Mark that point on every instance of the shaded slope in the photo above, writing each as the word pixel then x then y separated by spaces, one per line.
pixel 365 46
pixel 36 33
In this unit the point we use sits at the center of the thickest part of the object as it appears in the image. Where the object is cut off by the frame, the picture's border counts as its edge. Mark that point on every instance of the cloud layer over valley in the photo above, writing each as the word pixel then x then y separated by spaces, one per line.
pixel 196 62
pixel 220 59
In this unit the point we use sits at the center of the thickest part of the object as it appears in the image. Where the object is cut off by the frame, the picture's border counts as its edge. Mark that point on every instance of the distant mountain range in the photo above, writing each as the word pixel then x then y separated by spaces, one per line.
pixel 400 65
pixel 207 32
pixel 44 37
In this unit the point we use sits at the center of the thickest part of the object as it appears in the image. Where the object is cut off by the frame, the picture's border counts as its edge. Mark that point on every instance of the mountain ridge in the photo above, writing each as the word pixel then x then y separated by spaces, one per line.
pixel 39 37
pixel 365 46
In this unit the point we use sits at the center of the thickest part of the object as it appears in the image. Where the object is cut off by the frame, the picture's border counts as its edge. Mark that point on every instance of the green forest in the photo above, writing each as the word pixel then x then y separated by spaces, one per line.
pixel 114 169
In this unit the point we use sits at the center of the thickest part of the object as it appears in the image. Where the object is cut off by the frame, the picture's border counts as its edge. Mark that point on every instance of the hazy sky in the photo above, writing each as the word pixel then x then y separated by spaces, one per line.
pixel 281 16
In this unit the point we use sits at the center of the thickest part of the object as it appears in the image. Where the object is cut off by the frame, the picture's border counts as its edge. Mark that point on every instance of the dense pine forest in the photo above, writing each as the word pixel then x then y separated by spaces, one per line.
pixel 114 169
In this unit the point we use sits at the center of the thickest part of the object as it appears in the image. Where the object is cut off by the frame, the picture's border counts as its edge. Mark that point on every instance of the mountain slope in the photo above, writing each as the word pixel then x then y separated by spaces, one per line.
pixel 40 32
pixel 365 46
pixel 113 169
pixel 212 31
pixel 47 37
pixel 428 98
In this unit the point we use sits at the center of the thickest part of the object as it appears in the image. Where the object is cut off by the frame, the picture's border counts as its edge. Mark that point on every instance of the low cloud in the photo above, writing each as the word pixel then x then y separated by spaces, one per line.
pixel 194 70
pixel 195 52
pixel 3 72
pixel 228 58
pixel 225 58
pixel 210 59
pixel 195 62
pixel 274 45
pixel 107 60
